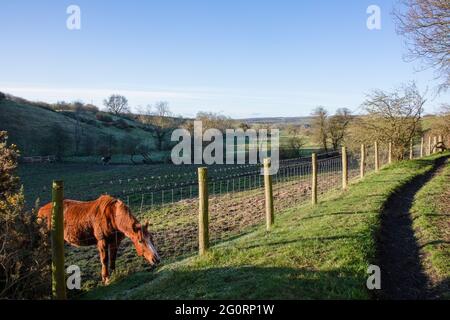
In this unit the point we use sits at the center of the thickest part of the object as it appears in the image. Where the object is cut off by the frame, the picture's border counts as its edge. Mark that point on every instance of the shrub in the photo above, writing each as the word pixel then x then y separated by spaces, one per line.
pixel 91 122
pixel 103 117
pixel 24 245
pixel 90 108
pixel 121 124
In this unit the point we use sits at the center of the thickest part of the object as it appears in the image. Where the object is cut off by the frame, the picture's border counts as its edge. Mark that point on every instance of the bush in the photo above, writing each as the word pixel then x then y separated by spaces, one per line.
pixel 289 153
pixel 90 108
pixel 103 117
pixel 24 245
pixel 121 124
pixel 2 96
pixel 74 106
pixel 91 122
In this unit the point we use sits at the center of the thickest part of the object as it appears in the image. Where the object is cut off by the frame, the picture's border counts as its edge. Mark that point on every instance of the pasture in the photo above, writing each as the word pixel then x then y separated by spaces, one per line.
pixel 313 252
pixel 167 197
pixel 237 201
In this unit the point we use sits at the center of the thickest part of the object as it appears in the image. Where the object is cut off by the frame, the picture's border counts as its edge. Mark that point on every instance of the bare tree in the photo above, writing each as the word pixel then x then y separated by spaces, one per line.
pixel 116 104
pixel 130 146
pixel 320 127
pixel 441 125
pixel 294 142
pixel 426 27
pixel 211 120
pixel 337 126
pixel 61 141
pixel 78 130
pixel 160 118
pixel 393 117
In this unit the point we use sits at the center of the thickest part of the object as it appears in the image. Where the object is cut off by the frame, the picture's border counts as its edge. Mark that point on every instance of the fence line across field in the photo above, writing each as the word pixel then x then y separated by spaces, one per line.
pixel 233 204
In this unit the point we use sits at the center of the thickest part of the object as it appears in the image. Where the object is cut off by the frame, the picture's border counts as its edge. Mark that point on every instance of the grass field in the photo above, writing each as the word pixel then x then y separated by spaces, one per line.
pixel 174 225
pixel 86 181
pixel 312 252
pixel 29 127
pixel 430 212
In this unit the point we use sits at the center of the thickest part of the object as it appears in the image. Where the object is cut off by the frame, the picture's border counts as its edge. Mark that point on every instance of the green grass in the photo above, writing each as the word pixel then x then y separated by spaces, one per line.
pixel 430 212
pixel 312 252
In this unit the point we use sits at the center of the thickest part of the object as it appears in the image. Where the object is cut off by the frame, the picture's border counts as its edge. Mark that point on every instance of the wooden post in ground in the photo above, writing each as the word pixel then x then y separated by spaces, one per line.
pixel 268 194
pixel 377 164
pixel 440 141
pixel 203 223
pixel 344 168
pixel 363 160
pixel 390 153
pixel 422 144
pixel 314 179
pixel 411 150
pixel 57 240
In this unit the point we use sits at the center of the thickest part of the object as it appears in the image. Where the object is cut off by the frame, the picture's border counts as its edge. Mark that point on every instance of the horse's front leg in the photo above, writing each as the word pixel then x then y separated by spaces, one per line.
pixel 102 246
pixel 113 247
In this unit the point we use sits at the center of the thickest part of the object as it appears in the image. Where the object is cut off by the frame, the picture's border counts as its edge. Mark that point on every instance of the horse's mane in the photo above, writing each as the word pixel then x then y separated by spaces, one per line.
pixel 122 216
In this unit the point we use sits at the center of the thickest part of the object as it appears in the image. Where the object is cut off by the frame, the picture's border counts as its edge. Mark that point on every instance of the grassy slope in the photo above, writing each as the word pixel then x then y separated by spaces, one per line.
pixel 312 252
pixel 28 127
pixel 432 224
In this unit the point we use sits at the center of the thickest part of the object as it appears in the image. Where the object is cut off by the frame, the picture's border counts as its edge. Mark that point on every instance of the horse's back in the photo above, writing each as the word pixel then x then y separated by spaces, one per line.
pixel 73 210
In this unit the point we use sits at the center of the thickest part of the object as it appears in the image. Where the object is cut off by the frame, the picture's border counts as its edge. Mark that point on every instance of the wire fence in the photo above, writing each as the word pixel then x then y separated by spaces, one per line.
pixel 236 199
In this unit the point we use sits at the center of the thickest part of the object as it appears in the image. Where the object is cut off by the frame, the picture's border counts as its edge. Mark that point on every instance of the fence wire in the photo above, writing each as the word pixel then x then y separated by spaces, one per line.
pixel 236 201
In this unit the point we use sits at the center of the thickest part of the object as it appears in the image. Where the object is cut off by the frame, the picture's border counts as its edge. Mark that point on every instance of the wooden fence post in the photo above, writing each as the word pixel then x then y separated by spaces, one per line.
pixel 390 153
pixel 440 140
pixel 422 143
pixel 377 164
pixel 363 160
pixel 344 168
pixel 411 150
pixel 314 179
pixel 203 228
pixel 269 194
pixel 57 240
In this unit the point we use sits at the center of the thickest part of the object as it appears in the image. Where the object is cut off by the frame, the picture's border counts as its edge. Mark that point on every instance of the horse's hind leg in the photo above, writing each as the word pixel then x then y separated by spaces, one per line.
pixel 103 250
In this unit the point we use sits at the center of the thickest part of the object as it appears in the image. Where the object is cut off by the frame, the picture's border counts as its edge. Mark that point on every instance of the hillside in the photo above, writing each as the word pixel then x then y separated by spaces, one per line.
pixel 37 131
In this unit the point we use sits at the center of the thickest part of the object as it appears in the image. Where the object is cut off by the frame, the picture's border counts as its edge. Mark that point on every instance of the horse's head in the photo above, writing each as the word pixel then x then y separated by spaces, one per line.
pixel 137 232
pixel 143 241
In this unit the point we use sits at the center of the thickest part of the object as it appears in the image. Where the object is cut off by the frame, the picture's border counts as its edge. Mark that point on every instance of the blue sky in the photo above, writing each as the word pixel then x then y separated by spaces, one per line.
pixel 247 58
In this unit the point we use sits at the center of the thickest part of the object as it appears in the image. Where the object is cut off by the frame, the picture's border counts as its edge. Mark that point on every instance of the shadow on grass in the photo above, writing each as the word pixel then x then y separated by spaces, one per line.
pixel 338 214
pixel 322 239
pixel 238 283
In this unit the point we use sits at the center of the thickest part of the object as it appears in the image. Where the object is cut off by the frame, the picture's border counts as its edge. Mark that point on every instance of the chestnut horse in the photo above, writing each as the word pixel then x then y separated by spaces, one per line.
pixel 104 222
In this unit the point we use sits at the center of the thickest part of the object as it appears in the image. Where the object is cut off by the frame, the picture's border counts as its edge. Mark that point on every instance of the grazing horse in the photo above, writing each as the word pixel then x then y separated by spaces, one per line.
pixel 103 222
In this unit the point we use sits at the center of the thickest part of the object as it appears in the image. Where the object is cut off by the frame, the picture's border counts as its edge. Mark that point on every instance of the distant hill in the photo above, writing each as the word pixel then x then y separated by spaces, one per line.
pixel 40 131
pixel 279 120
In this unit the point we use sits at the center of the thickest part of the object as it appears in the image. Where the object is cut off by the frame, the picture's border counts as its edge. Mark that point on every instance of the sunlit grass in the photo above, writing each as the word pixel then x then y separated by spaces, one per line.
pixel 312 252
